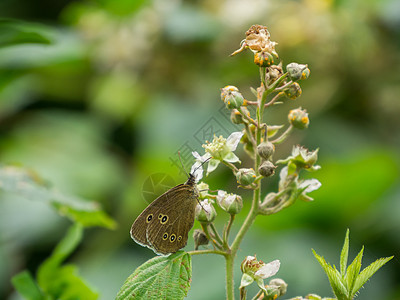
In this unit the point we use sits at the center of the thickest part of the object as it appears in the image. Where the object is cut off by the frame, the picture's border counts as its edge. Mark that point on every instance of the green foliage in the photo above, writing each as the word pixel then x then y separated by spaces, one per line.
pixel 26 286
pixel 346 283
pixel 13 32
pixel 27 184
pixel 162 277
pixel 57 281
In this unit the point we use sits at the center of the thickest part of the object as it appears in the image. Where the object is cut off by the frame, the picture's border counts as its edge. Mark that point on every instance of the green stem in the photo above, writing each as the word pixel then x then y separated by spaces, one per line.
pixel 209 237
pixel 197 252
pixel 230 292
pixel 216 234
pixel 227 231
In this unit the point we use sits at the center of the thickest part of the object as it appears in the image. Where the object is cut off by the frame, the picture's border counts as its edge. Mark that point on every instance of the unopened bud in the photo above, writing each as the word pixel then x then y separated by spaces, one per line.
pixel 200 238
pixel 265 59
pixel 231 97
pixel 293 91
pixel 280 284
pixel 265 150
pixel 246 176
pixel 231 203
pixel 299 118
pixel 297 71
pixel 205 212
pixel 267 169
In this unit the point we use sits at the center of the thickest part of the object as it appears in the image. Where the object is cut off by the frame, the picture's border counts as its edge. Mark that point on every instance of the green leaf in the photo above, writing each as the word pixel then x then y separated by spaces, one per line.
pixel 26 286
pixel 367 273
pixel 162 277
pixel 344 255
pixel 13 32
pixel 62 282
pixel 335 279
pixel 353 270
pixel 28 185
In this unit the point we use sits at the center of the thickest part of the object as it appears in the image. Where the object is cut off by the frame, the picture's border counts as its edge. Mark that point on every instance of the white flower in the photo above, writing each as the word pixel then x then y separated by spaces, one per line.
pixel 220 149
pixel 231 203
pixel 254 270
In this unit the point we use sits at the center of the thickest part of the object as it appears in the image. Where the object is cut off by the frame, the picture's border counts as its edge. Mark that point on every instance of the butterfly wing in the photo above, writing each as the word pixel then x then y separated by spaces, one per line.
pixel 174 219
pixel 151 212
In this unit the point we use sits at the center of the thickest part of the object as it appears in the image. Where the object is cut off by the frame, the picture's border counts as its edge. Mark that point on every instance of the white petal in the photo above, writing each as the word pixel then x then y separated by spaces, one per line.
pixel 311 184
pixel 231 157
pixel 234 139
pixel 268 270
pixel 221 195
pixel 283 173
pixel 196 155
pixel 212 165
pixel 197 171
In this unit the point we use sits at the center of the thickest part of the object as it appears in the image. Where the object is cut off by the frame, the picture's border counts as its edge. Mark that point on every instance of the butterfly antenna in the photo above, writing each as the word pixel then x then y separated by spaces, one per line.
pixel 183 167
pixel 202 164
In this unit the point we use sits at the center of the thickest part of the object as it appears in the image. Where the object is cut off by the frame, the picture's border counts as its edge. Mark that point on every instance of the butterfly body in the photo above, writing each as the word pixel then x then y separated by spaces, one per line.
pixel 165 223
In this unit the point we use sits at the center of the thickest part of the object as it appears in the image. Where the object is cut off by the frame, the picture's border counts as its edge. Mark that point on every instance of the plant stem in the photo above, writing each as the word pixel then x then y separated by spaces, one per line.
pixel 229 260
pixel 197 252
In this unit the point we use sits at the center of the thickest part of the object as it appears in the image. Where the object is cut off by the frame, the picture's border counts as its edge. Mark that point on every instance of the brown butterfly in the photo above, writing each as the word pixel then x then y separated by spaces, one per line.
pixel 165 224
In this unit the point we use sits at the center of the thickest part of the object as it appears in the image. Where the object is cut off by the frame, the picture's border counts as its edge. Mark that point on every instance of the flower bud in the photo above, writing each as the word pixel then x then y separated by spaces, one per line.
pixel 265 150
pixel 246 176
pixel 231 203
pixel 203 188
pixel 297 71
pixel 199 238
pixel 267 169
pixel 205 211
pixel 293 91
pixel 299 118
pixel 280 284
pixel 265 59
pixel 231 97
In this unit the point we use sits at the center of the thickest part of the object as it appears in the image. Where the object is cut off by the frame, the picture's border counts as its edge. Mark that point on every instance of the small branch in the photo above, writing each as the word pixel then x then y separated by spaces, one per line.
pixel 231 166
pixel 197 252
pixel 227 231
pixel 249 119
pixel 283 136
pixel 258 295
pixel 284 86
pixel 277 82
pixel 216 234
pixel 272 102
pixel 209 237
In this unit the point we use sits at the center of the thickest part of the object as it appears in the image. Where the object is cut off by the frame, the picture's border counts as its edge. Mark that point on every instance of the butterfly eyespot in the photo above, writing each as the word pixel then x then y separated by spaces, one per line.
pixel 160 216
pixel 179 238
pixel 164 219
pixel 172 237
pixel 165 236
pixel 149 218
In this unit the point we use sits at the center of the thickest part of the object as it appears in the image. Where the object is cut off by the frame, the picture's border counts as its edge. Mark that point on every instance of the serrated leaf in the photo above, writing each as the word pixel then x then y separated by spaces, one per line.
pixel 28 185
pixel 14 32
pixel 334 277
pixel 344 255
pixel 62 281
pixel 353 270
pixel 367 273
pixel 26 286
pixel 162 277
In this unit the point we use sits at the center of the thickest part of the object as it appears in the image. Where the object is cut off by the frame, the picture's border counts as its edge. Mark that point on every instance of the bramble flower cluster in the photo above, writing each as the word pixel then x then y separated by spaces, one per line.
pixel 259 140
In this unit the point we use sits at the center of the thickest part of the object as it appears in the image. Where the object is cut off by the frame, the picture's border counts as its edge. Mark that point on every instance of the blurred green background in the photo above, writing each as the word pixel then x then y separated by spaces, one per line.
pixel 115 88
